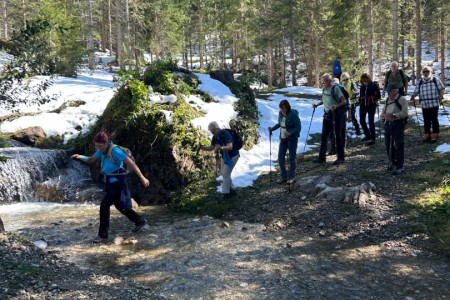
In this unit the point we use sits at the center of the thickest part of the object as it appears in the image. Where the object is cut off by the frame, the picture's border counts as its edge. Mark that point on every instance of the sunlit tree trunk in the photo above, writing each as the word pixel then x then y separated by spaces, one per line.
pixel 293 60
pixel 418 52
pixel 443 45
pixel 370 36
pixel 4 21
pixel 269 65
pixel 89 35
pixel 395 29
pixel 110 34
pixel 119 34
pixel 127 38
pixel 201 41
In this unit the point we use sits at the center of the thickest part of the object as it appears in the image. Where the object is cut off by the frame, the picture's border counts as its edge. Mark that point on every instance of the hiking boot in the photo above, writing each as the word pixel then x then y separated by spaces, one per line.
pixel 291 181
pixel 339 162
pixel 140 226
pixel 434 137
pixel 399 171
pixel 426 138
pixel 281 180
pixel 99 240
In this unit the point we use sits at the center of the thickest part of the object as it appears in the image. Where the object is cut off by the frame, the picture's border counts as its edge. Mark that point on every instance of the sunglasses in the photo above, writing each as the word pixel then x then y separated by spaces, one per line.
pixel 345 80
pixel 425 72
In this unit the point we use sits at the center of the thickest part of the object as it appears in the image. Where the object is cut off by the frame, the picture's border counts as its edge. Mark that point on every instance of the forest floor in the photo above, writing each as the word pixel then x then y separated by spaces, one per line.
pixel 272 241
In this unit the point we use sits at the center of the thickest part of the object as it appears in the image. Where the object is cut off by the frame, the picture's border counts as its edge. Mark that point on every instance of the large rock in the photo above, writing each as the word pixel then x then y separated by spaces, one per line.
pixel 223 76
pixel 30 135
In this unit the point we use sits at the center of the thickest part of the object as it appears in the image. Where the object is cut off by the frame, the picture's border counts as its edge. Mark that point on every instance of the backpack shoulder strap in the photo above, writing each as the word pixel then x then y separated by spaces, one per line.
pixel 111 148
pixel 333 92
pixel 435 83
pixel 398 103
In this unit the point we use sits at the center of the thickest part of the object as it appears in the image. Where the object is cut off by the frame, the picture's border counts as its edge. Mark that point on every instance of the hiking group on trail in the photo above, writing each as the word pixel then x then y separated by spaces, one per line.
pixel 340 103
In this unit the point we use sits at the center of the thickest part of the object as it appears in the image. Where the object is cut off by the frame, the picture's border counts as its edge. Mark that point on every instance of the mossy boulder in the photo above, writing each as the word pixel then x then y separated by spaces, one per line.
pixel 165 152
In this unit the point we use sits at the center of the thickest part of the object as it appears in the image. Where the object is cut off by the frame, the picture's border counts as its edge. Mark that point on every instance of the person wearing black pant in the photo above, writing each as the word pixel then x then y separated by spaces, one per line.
pixel 333 119
pixel 353 92
pixel 369 96
pixel 116 187
pixel 394 115
pixel 431 93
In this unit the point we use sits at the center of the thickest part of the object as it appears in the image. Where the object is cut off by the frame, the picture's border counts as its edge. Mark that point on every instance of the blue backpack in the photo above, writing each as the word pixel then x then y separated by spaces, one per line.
pixel 337 67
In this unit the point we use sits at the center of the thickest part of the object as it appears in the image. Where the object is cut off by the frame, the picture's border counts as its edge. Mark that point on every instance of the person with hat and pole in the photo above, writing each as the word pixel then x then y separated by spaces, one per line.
pixel 394 116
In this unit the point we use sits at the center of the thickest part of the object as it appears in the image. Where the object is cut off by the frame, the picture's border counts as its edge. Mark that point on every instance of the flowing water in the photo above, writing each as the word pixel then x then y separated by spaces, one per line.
pixel 30 174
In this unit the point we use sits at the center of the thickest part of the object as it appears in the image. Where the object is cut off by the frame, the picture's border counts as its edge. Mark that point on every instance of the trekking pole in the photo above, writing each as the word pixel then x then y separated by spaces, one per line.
pixel 270 155
pixel 379 123
pixel 417 117
pixel 309 128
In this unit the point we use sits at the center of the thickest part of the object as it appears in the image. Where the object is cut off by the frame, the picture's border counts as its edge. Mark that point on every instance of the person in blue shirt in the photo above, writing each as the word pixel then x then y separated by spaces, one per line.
pixel 223 141
pixel 116 186
pixel 289 122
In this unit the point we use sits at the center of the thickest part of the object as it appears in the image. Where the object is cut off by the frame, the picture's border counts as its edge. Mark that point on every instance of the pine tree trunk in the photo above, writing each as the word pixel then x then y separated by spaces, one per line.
pixel 119 34
pixel 4 21
pixel 293 60
pixel 395 29
pixel 418 51
pixel 443 45
pixel 370 37
pixel 110 34
pixel 89 35
pixel 234 53
pixel 24 14
pixel 283 66
pixel 201 41
pixel 103 34
pixel 2 227
pixel 127 39
pixel 269 66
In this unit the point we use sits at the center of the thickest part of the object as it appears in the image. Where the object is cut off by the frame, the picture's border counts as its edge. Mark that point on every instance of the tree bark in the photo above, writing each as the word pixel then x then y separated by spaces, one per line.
pixel 2 227
pixel 269 65
pixel 4 21
pixel 119 35
pixel 370 36
pixel 110 34
pixel 443 45
pixel 201 41
pixel 89 35
pixel 127 38
pixel 293 60
pixel 395 29
pixel 418 51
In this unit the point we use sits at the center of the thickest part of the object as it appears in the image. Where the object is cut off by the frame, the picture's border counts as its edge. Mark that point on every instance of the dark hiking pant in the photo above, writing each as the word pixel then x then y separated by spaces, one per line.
pixel 286 144
pixel 117 193
pixel 394 136
pixel 333 121
pixel 430 119
pixel 369 110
